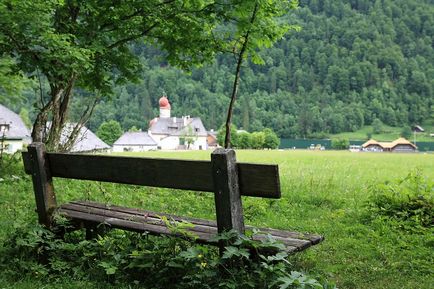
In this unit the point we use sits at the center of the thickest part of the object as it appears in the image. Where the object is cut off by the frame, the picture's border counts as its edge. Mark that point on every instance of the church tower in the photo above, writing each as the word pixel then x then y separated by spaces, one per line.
pixel 164 107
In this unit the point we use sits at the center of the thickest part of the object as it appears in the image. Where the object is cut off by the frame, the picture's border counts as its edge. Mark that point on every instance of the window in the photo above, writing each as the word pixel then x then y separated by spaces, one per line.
pixel 4 128
pixel 5 147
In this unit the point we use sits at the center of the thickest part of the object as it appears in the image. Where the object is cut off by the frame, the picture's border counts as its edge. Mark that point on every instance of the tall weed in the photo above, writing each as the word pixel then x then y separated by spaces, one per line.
pixel 410 200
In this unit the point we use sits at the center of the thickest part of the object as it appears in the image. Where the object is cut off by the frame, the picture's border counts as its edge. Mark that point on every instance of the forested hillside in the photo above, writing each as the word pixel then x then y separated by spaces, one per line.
pixel 352 62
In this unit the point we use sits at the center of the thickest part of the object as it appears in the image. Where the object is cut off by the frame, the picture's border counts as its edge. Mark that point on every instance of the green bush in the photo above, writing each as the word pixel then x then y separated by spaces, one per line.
pixel 271 140
pixel 165 262
pixel 410 200
pixel 11 166
pixel 340 143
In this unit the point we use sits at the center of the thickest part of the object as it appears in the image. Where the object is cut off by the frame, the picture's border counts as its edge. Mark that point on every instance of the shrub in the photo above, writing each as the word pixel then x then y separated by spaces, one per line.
pixel 410 200
pixel 221 134
pixel 11 166
pixel 340 144
pixel 164 262
pixel 377 126
pixel 109 131
pixel 271 140
pixel 258 139
pixel 244 140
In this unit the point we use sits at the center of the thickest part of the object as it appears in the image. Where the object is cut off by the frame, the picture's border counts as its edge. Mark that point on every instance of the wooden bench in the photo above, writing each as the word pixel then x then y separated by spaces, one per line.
pixel 223 176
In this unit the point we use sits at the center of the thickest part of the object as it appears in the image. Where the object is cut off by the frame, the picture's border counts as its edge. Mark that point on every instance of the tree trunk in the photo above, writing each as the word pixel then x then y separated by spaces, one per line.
pixel 52 118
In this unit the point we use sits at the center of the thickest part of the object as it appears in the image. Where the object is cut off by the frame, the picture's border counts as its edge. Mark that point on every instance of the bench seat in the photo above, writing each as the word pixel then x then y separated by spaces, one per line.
pixel 137 220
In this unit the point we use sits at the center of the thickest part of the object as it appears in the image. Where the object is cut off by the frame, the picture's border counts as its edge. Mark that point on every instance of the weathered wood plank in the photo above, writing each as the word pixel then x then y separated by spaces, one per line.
pixel 254 180
pixel 141 212
pixel 229 209
pixel 42 183
pixel 114 216
pixel 144 217
pixel 299 240
pixel 312 238
pixel 27 163
pixel 114 222
pixel 257 180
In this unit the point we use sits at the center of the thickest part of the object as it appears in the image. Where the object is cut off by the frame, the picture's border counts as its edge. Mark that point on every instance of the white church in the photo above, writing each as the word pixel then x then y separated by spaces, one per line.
pixel 166 133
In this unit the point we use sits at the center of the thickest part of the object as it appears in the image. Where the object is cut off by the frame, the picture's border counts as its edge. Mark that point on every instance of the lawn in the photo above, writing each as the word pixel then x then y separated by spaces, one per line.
pixel 323 192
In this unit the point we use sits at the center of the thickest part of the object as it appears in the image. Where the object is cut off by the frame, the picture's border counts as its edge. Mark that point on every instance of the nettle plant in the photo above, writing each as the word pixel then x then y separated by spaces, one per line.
pixel 409 200
pixel 140 259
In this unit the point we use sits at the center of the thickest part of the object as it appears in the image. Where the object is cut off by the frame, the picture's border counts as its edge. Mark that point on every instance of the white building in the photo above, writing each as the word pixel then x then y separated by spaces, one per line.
pixel 13 132
pixel 171 133
pixel 134 142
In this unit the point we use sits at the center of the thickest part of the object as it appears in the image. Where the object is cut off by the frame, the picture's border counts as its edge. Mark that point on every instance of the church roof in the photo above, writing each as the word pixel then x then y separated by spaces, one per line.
pixel 17 129
pixel 178 126
pixel 135 138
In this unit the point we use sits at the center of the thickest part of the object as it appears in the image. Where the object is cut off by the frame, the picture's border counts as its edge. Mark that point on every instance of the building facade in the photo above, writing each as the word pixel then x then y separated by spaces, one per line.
pixel 14 134
pixel 134 142
pixel 172 133
pixel 398 145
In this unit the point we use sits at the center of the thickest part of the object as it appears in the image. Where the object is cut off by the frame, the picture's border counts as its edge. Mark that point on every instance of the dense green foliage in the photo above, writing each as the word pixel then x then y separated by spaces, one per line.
pixel 109 131
pixel 121 257
pixel 265 139
pixel 331 193
pixel 410 199
pixel 340 143
pixel 352 62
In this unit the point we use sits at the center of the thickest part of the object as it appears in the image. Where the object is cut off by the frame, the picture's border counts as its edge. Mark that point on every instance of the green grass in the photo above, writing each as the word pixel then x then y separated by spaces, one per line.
pixel 390 133
pixel 322 192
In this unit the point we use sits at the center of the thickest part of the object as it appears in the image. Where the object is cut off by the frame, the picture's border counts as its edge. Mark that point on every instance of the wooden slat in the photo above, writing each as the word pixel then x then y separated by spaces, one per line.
pixel 141 212
pixel 254 180
pixel 143 220
pixel 117 223
pixel 145 217
pixel 257 180
pixel 301 239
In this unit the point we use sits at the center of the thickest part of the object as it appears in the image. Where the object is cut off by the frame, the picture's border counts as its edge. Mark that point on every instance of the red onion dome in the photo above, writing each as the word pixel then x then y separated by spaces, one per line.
pixel 164 102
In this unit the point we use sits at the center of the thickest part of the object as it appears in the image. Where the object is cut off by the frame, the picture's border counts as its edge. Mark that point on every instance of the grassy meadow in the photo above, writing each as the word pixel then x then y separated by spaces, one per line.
pixel 323 192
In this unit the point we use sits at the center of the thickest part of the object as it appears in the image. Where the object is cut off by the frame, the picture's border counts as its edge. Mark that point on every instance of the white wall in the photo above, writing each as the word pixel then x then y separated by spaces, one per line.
pixel 13 146
pixel 200 143
pixel 169 143
pixel 130 148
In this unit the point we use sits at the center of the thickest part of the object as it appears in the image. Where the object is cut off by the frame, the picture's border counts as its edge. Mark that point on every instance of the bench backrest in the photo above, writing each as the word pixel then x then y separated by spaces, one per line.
pixel 222 176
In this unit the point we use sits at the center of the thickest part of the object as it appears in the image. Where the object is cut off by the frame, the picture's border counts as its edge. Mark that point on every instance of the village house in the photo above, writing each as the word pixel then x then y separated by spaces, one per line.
pixel 211 139
pixel 171 133
pixel 13 132
pixel 398 145
pixel 134 142
pixel 417 128
pixel 86 140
